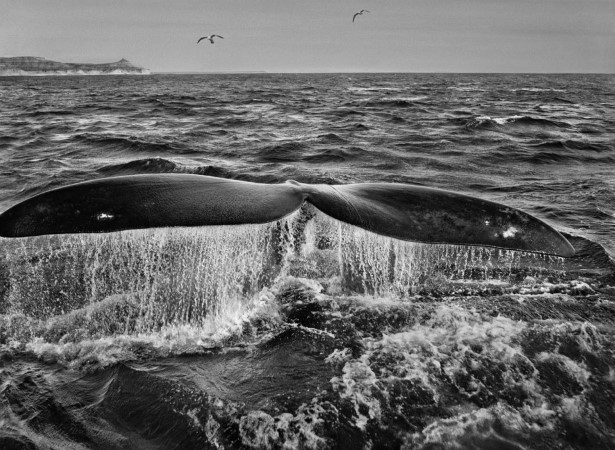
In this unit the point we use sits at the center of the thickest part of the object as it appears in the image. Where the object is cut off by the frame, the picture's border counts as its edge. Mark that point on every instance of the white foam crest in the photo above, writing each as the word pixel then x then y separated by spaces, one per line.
pixel 416 98
pixel 482 428
pixel 584 334
pixel 260 430
pixel 451 350
pixel 444 341
pixel 535 89
pixel 498 120
pixel 482 358
pixel 424 352
pixel 468 88
pixel 357 384
pixel 577 371
pixel 372 89
pixel 172 339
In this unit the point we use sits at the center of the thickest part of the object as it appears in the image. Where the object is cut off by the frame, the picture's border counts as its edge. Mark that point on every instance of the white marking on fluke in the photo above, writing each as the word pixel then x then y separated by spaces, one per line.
pixel 104 216
pixel 510 232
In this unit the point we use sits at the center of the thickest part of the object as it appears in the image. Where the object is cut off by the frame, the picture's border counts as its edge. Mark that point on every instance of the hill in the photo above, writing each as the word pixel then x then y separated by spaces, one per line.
pixel 32 65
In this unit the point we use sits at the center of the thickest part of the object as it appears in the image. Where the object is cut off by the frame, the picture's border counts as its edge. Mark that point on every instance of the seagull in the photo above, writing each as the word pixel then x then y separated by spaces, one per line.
pixel 359 13
pixel 210 37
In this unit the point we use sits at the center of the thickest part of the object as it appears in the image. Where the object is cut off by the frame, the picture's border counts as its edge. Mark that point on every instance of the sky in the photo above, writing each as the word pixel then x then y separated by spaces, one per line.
pixel 532 36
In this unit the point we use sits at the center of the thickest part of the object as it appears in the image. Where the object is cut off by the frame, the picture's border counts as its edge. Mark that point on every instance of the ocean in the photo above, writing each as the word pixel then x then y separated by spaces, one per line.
pixel 198 338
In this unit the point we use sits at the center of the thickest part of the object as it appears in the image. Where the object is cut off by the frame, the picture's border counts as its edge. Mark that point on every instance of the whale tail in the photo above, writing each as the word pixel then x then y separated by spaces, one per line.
pixel 406 212
pixel 422 214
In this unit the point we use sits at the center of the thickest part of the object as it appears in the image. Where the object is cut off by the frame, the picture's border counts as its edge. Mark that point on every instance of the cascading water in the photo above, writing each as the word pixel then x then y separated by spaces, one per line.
pixel 378 265
pixel 136 282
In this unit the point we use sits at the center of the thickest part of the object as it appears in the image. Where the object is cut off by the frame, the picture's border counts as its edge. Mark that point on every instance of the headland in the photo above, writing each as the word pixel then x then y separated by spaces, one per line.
pixel 33 65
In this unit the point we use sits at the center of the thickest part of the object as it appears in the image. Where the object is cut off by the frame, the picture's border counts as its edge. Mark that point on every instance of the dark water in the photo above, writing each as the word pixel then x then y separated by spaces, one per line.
pixel 197 338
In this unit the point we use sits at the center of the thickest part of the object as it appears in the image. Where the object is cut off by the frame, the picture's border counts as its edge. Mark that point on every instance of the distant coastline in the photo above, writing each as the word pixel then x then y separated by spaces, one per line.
pixel 37 66
pixel 216 72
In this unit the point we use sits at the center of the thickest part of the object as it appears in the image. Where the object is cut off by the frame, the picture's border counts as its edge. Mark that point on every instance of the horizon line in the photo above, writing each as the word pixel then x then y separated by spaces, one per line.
pixel 214 72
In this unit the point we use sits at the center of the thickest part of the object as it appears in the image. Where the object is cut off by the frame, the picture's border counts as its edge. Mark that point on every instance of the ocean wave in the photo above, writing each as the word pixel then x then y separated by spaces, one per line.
pixel 228 121
pixel 8 140
pixel 563 100
pixel 49 112
pixel 570 144
pixel 590 257
pixel 536 89
pixel 127 144
pixel 552 157
pixel 286 152
pixel 364 370
pixel 329 155
pixel 373 89
pixel 148 165
pixel 354 127
pixel 331 138
pixel 218 132
pixel 467 88
pixel 512 122
pixel 591 129
pixel 394 103
pixel 397 120
pixel 162 165
pixel 221 172
pixel 349 111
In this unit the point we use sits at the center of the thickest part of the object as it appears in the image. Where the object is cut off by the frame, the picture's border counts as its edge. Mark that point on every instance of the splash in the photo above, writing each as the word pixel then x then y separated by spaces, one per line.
pixel 378 265
pixel 72 287
pixel 137 281
pixel 189 268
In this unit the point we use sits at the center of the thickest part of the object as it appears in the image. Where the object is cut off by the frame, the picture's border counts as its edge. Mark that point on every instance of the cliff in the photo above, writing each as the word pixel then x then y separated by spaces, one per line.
pixel 32 65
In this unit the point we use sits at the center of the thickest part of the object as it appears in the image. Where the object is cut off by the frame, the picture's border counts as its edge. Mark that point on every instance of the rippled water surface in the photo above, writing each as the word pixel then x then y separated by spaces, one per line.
pixel 309 333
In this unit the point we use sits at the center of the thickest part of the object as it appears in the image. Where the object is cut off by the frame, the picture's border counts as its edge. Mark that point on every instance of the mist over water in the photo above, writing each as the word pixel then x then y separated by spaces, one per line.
pixel 308 332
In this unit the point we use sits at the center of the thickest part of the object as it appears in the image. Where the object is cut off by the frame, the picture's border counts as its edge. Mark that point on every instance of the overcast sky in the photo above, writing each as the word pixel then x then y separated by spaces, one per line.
pixel 318 35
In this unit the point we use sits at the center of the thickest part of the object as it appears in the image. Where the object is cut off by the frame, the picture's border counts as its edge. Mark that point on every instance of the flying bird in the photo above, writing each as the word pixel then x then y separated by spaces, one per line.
pixel 210 37
pixel 360 13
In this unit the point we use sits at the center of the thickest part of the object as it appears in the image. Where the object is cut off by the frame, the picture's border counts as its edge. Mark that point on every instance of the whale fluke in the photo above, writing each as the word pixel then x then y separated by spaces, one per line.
pixel 407 212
